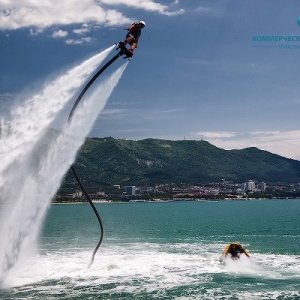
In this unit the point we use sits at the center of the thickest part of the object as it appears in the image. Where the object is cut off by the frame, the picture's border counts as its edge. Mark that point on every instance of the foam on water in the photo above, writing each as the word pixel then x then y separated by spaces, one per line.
pixel 144 269
pixel 30 174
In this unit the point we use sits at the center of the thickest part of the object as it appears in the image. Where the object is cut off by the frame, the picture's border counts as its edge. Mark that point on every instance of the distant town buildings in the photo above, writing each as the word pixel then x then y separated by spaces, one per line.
pixel 262 186
pixel 117 186
pixel 251 189
pixel 250 186
pixel 130 190
pixel 78 193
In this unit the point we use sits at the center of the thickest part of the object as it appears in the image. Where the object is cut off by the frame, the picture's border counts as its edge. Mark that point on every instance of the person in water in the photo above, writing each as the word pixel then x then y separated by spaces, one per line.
pixel 235 250
pixel 133 35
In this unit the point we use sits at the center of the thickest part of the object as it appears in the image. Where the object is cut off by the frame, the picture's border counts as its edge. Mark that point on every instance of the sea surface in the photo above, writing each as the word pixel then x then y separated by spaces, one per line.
pixel 165 250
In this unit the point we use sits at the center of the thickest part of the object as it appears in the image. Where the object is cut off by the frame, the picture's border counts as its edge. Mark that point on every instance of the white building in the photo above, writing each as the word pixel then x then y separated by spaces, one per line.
pixel 248 186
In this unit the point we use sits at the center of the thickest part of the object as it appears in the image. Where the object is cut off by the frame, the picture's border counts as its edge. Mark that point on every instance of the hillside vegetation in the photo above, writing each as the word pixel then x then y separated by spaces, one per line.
pixel 107 161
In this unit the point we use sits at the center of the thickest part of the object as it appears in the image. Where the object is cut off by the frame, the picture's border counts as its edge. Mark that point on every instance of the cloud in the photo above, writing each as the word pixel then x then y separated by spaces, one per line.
pixel 59 33
pixel 42 14
pixel 284 143
pixel 171 111
pixel 202 9
pixel 216 135
pixel 16 14
pixel 35 31
pixel 113 111
pixel 147 5
pixel 81 31
pixel 80 41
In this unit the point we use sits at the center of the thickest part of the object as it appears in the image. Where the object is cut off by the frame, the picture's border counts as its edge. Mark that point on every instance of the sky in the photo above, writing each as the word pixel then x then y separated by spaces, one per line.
pixel 222 71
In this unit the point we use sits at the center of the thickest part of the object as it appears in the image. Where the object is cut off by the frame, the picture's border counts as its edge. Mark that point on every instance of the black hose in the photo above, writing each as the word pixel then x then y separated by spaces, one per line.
pixel 87 196
pixel 121 52
pixel 90 83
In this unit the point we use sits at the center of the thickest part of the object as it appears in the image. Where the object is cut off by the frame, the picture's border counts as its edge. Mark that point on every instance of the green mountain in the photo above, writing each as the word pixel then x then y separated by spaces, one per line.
pixel 107 161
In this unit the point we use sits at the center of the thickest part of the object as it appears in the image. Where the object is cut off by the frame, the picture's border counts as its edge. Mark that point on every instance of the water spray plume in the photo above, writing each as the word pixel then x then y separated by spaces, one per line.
pixel 32 166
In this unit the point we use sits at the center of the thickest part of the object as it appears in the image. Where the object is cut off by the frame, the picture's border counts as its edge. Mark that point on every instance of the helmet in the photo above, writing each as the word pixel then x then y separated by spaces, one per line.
pixel 143 23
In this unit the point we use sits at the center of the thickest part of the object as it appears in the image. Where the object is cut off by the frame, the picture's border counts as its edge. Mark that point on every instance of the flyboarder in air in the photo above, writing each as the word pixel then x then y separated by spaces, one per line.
pixel 132 38
pixel 133 35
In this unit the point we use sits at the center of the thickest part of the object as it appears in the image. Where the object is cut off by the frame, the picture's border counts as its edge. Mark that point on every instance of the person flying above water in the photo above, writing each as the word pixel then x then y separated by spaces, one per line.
pixel 133 35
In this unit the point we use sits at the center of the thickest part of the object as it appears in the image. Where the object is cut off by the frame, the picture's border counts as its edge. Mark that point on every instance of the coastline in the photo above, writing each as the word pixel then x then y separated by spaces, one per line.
pixel 175 200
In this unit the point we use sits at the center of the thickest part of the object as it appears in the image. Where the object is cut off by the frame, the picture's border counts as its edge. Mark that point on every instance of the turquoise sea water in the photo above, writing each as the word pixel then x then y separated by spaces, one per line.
pixel 164 251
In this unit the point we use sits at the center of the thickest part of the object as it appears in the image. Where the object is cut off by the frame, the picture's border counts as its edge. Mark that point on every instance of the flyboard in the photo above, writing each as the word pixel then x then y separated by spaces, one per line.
pixel 123 51
pixel 234 251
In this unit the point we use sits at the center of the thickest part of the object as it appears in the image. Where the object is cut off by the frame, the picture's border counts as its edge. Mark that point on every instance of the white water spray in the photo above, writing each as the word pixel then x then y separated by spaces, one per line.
pixel 30 172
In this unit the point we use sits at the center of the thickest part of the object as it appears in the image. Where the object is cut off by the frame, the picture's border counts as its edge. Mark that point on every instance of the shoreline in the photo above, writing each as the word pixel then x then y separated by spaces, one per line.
pixel 172 200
